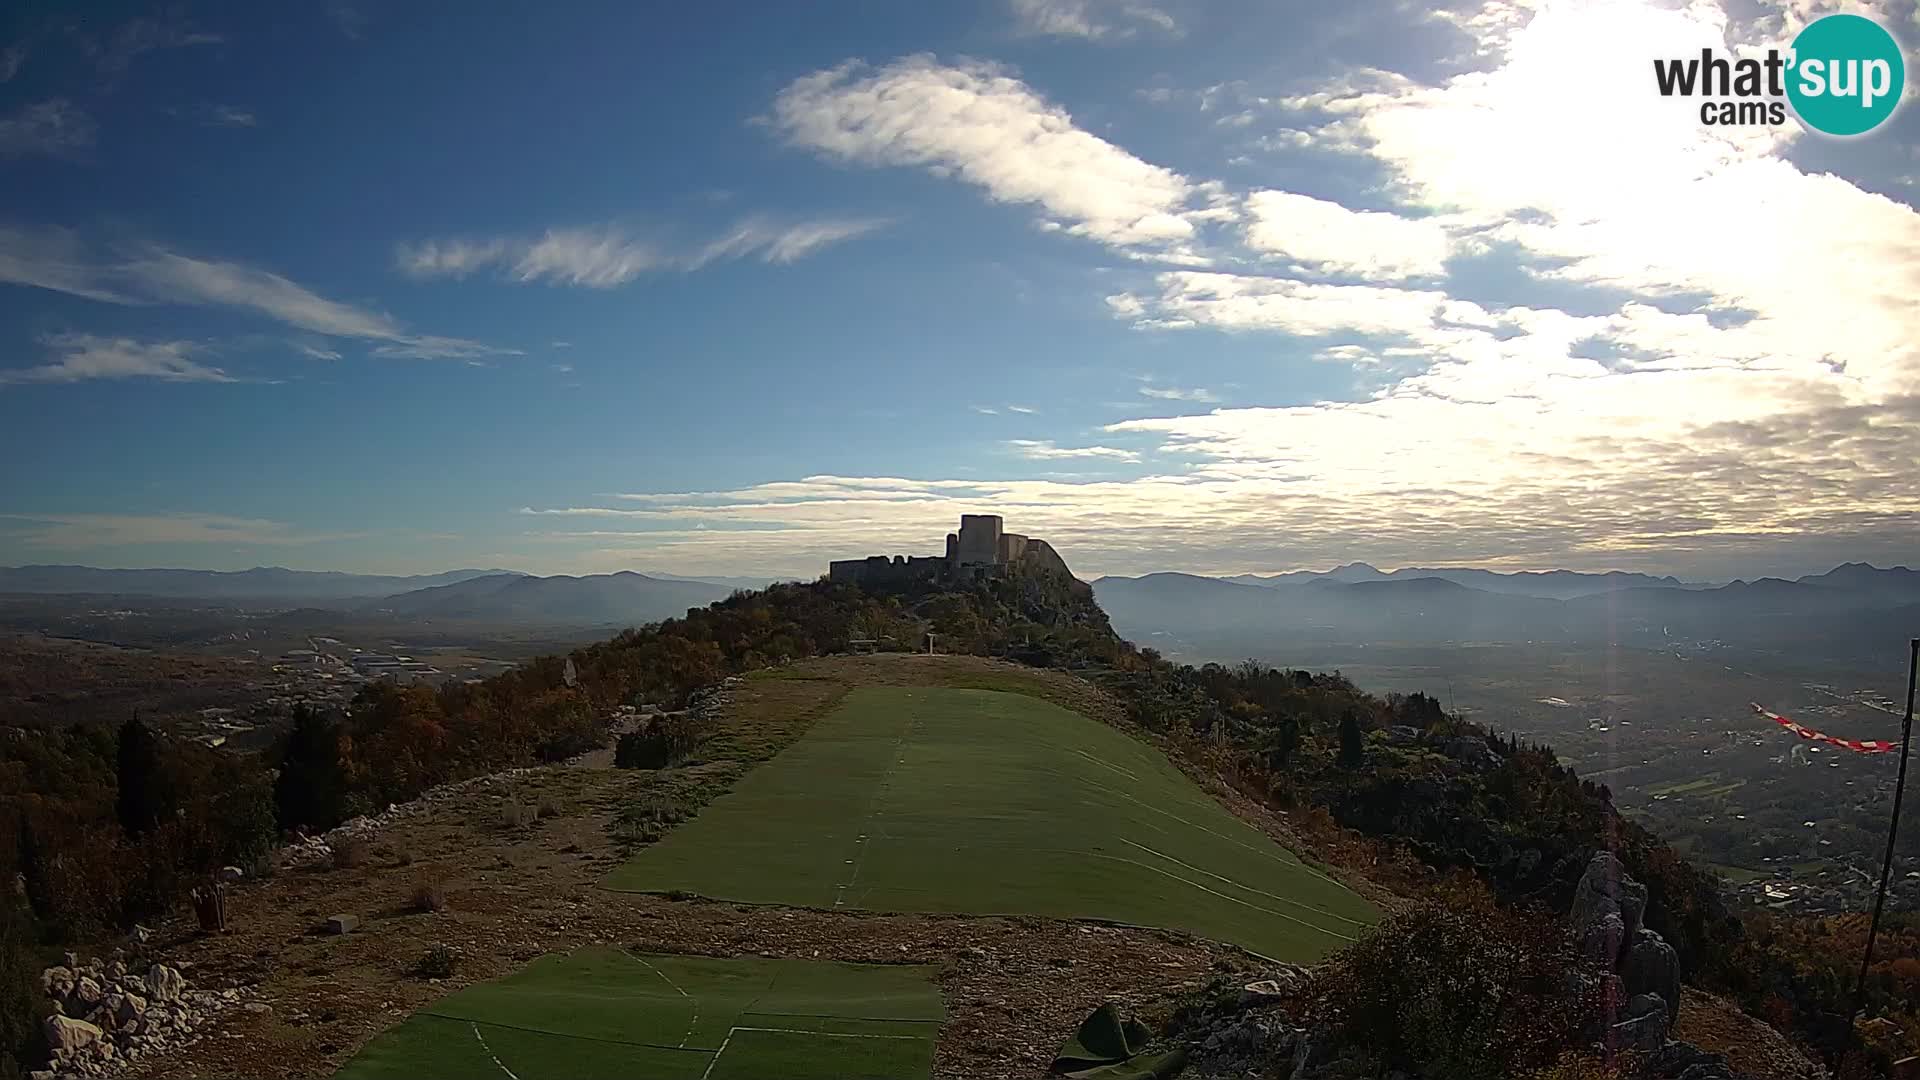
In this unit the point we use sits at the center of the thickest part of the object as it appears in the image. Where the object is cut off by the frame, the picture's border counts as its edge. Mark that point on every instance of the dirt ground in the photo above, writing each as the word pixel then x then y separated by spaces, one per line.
pixel 1014 988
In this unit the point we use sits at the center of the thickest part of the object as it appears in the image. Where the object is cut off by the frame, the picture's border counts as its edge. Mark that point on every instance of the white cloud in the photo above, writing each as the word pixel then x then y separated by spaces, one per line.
pixel 603 256
pixel 1239 302
pixel 1321 235
pixel 1022 409
pixel 1094 19
pixel 81 357
pixel 314 352
pixel 976 121
pixel 60 260
pixel 54 128
pixel 1045 450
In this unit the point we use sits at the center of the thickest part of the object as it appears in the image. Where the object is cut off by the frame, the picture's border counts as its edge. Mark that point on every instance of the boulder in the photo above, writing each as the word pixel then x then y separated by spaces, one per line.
pixel 1652 966
pixel 129 1008
pixel 57 981
pixel 343 924
pixel 164 983
pixel 1602 940
pixel 66 1033
pixel 86 994
pixel 1607 889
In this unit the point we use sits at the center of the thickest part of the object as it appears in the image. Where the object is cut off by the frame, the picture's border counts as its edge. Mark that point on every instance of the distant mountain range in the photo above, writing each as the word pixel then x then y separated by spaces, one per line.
pixel 1846 610
pixel 622 599
pixel 1553 584
pixel 262 583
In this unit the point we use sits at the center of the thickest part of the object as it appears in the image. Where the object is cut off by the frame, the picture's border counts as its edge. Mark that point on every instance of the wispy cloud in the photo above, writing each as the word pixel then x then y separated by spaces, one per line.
pixel 230 116
pixel 1097 20
pixel 80 531
pixel 113 53
pixel 61 260
pixel 980 123
pixel 54 128
pixel 1025 410
pixel 81 357
pixel 604 256
pixel 1045 450
pixel 1175 393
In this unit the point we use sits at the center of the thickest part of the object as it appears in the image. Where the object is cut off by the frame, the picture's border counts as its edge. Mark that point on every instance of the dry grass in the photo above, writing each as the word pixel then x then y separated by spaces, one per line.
pixel 352 854
pixel 429 895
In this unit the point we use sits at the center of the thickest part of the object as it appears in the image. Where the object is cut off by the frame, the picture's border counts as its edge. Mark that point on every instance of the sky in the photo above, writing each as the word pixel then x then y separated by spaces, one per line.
pixel 1223 286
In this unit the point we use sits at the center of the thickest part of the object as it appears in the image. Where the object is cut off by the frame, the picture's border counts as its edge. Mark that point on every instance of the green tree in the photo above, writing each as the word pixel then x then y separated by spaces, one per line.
pixel 312 786
pixel 21 1047
pixel 1353 750
pixel 141 799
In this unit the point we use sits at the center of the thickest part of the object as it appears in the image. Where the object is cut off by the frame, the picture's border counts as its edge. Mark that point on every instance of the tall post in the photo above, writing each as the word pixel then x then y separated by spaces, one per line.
pixel 1893 830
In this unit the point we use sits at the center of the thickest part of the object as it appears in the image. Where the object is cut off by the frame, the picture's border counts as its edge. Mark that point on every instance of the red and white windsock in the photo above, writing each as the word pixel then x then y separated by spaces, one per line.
pixel 1858 746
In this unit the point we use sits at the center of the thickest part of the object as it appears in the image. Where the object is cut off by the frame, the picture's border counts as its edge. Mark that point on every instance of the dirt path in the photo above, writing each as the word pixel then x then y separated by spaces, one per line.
pixel 1014 988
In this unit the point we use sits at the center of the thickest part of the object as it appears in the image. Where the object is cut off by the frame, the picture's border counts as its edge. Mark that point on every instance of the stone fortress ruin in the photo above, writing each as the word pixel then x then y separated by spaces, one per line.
pixel 981 549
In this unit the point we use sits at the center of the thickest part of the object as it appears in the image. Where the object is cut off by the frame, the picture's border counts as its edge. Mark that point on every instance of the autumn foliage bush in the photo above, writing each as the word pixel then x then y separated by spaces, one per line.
pixel 1457 988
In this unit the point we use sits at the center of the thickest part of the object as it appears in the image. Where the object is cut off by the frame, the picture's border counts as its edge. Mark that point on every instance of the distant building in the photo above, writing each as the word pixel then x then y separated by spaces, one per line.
pixel 981 549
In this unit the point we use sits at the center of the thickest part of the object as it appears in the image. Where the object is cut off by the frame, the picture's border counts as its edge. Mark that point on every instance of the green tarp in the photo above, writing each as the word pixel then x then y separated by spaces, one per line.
pixel 1108 1047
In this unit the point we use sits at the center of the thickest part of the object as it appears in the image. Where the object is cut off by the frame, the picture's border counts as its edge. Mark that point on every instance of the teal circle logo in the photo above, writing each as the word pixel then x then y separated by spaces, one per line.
pixel 1845 75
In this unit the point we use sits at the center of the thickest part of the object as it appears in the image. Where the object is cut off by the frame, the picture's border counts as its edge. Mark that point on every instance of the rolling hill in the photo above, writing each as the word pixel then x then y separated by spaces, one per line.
pixel 621 599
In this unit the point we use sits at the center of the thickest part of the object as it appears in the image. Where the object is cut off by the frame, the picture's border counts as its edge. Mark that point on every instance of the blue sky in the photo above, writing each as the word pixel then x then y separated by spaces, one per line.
pixel 1220 287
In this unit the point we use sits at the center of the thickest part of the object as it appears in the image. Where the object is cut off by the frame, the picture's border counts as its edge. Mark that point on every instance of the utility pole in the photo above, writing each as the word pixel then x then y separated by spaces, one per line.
pixel 1893 829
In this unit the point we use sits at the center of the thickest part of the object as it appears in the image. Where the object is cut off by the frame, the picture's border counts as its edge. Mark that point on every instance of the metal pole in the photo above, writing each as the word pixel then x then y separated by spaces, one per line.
pixel 1893 829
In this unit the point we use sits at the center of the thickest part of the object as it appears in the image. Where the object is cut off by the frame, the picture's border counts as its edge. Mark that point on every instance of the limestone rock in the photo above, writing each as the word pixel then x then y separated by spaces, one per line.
pixel 164 983
pixel 86 994
pixel 1653 967
pixel 57 981
pixel 1602 939
pixel 1606 888
pixel 343 924
pixel 66 1033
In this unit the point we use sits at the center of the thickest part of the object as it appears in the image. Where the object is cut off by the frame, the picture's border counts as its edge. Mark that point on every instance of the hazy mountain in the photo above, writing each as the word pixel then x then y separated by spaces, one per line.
pixel 1846 612
pixel 1554 584
pixel 720 579
pixel 622 599
pixel 262 583
pixel 1896 581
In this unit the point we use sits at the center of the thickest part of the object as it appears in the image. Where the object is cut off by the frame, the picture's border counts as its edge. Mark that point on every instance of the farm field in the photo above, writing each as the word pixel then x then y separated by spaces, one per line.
pixel 980 802
pixel 605 1012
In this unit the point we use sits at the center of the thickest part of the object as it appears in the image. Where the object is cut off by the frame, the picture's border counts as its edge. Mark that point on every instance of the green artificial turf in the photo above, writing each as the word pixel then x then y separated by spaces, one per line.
pixel 607 1013
pixel 980 802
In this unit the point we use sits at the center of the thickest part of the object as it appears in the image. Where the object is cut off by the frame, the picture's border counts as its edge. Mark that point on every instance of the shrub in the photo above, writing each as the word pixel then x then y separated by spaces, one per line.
pixel 1458 988
pixel 351 853
pixel 21 1004
pixel 513 814
pixel 436 963
pixel 549 806
pixel 429 895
